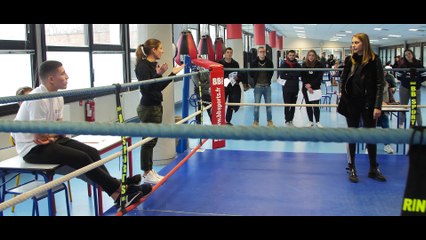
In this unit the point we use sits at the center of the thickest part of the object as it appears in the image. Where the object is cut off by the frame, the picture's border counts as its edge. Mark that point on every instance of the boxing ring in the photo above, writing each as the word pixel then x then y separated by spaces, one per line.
pixel 234 183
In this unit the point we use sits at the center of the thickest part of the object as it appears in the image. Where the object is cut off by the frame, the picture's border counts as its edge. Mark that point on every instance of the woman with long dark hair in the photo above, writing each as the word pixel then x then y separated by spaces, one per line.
pixel 150 109
pixel 409 61
pixel 312 81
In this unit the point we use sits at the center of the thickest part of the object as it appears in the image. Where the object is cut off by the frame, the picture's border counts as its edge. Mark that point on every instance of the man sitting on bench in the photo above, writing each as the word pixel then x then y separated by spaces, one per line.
pixel 59 149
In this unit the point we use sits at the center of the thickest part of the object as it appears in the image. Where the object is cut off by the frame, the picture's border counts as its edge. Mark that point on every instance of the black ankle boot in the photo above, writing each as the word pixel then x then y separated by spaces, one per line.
pixel 376 174
pixel 352 174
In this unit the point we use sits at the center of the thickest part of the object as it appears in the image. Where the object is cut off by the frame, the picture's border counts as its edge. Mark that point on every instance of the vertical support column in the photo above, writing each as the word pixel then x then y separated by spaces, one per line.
pixel 280 42
pixel 259 35
pixel 273 44
pixel 273 39
pixel 165 150
pixel 234 34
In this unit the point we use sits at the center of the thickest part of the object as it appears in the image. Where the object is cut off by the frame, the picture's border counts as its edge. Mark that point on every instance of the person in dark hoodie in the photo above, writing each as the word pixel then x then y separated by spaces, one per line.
pixel 312 81
pixel 291 87
pixel 232 92
pixel 362 97
pixel 409 61
pixel 150 109
pixel 262 84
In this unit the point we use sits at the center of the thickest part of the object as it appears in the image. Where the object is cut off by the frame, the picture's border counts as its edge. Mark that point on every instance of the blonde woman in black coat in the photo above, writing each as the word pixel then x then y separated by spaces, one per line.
pixel 362 96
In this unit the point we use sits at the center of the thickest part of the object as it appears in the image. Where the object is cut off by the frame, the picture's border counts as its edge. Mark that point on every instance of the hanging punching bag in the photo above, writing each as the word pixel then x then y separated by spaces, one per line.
pixel 205 47
pixel 219 47
pixel 185 46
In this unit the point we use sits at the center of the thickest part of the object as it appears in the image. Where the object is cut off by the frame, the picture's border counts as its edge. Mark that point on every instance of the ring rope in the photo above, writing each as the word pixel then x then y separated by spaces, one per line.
pixel 370 135
pixel 88 91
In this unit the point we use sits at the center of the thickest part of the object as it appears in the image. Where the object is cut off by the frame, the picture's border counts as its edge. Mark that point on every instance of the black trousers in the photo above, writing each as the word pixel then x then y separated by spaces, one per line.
pixel 149 114
pixel 311 111
pixel 75 154
pixel 289 97
pixel 359 111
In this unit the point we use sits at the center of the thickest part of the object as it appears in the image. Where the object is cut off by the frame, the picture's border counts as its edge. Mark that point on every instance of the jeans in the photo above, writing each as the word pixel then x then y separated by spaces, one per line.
pixel 266 92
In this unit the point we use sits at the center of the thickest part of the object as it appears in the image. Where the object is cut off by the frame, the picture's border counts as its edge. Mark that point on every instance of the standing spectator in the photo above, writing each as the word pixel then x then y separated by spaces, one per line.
pixel 291 87
pixel 312 81
pixel 323 61
pixel 362 96
pixel 331 61
pixel 390 79
pixel 262 84
pixel 150 109
pixel 397 59
pixel 232 92
pixel 410 61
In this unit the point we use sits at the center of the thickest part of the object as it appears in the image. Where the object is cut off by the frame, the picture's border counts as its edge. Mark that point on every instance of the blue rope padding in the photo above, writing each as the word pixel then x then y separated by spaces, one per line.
pixel 339 135
pixel 87 91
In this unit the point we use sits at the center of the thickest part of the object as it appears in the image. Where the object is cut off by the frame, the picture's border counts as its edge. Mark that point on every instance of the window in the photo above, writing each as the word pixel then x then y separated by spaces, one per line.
pixel 66 35
pixel 347 52
pixel 133 31
pixel 108 69
pixel 13 32
pixel 132 67
pixel 424 56
pixel 212 32
pixel 106 34
pixel 76 65
pixel 194 33
pixel 15 73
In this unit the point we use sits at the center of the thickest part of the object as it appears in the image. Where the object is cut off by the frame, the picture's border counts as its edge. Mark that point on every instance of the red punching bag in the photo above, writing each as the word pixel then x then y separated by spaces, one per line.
pixel 185 46
pixel 219 47
pixel 205 47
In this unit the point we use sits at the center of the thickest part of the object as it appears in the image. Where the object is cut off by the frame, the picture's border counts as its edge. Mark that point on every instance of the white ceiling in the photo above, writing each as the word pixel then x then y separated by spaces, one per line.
pixel 326 32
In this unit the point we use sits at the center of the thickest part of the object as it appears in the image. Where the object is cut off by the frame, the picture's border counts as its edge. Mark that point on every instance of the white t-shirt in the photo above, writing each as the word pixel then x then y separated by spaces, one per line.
pixel 47 109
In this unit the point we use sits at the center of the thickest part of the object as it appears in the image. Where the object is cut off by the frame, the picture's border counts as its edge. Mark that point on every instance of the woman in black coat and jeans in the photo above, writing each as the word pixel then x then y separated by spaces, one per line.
pixel 362 96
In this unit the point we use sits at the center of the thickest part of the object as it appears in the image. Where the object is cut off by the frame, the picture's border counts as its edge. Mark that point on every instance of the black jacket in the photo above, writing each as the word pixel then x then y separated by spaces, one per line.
pixel 405 76
pixel 365 83
pixel 151 93
pixel 233 92
pixel 255 74
pixel 312 77
pixel 233 64
pixel 292 77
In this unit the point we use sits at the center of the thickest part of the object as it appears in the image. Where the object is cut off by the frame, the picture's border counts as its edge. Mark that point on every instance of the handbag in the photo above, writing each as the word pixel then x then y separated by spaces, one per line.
pixel 343 106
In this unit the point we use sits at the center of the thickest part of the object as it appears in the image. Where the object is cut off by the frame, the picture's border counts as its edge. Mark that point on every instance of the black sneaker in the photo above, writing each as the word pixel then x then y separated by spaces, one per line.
pixel 134 180
pixel 352 174
pixel 145 188
pixel 133 194
pixel 376 174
